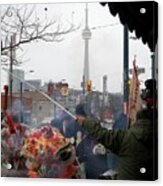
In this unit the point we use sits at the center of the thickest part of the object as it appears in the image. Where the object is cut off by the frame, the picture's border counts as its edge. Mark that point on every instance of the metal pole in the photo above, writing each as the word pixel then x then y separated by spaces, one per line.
pixel 55 109
pixel 84 85
pixel 11 72
pixel 153 66
pixel 21 101
pixel 125 69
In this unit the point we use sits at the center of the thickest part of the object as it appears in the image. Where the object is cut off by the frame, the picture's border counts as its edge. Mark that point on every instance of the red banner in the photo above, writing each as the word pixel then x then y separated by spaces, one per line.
pixel 134 94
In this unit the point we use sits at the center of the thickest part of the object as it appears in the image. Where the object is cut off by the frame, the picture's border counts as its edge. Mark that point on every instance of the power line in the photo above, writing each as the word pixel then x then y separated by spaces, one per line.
pixel 104 26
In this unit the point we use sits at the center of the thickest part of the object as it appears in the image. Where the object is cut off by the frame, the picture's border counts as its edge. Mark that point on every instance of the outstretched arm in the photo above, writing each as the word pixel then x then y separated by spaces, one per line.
pixel 110 139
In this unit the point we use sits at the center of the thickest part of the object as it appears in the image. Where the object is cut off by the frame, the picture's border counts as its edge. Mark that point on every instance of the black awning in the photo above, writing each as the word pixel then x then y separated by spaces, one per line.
pixel 144 24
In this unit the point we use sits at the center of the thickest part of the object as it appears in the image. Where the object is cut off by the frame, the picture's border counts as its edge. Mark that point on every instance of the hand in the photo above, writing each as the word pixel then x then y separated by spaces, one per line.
pixel 80 119
pixel 99 149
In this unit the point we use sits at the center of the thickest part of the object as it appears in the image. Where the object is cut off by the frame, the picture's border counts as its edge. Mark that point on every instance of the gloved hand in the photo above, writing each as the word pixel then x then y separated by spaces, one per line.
pixel 99 149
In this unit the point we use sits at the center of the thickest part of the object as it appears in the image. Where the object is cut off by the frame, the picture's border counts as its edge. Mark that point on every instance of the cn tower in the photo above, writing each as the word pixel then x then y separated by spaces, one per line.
pixel 86 35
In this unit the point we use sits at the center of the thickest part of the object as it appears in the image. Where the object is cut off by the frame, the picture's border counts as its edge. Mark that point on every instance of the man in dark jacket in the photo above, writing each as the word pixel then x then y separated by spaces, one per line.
pixel 94 164
pixel 137 146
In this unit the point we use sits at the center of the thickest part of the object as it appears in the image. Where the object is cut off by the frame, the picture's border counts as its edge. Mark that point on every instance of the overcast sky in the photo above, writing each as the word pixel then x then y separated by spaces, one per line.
pixel 65 60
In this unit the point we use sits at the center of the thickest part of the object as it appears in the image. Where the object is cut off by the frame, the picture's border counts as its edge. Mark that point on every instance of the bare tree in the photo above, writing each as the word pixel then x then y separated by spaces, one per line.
pixel 23 24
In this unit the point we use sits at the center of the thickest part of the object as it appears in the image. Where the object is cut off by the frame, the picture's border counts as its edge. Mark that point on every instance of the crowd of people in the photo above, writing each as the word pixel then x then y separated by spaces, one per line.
pixel 125 150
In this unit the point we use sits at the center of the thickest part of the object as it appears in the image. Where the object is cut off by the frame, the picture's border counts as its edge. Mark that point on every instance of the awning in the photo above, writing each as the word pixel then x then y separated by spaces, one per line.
pixel 144 24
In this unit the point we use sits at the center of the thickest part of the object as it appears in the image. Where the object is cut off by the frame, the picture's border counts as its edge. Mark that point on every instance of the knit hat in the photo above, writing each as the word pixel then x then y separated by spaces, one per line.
pixel 150 90
pixel 80 110
pixel 151 85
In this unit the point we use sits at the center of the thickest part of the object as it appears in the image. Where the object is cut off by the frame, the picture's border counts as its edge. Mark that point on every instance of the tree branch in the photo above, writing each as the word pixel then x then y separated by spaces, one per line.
pixel 23 22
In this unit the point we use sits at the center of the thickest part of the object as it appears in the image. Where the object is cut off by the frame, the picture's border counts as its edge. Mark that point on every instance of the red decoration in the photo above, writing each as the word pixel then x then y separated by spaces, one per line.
pixel 5 88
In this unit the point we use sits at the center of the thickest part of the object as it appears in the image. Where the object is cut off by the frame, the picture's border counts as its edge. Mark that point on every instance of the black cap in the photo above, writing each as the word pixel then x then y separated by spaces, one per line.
pixel 150 89
pixel 150 84
pixel 80 110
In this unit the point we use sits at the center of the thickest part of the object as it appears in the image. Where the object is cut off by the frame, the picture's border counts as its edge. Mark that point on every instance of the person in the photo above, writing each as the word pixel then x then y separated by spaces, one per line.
pixel 94 163
pixel 136 147
pixel 64 124
pixel 120 123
